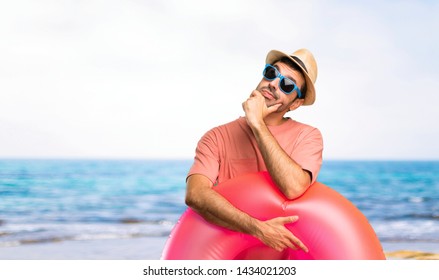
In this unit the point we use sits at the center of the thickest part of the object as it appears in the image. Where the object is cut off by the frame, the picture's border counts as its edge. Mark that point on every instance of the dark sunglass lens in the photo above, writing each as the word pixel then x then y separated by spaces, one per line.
pixel 287 85
pixel 270 72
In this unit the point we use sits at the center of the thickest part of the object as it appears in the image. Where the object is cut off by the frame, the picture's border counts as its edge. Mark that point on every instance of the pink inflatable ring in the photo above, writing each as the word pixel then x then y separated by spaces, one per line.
pixel 330 226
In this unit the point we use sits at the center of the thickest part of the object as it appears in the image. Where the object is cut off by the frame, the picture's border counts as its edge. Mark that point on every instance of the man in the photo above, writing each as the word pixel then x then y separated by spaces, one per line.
pixel 263 140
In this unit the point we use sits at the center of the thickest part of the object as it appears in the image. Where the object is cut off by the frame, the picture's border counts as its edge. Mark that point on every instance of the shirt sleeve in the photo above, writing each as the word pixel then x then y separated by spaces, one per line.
pixel 206 161
pixel 308 152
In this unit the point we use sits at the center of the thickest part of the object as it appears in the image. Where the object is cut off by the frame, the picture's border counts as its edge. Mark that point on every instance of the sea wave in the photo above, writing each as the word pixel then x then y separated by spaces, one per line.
pixel 28 234
pixel 55 200
pixel 426 230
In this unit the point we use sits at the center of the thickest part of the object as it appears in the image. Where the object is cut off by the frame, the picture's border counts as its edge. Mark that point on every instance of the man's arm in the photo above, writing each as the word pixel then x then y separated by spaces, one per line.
pixel 289 176
pixel 216 209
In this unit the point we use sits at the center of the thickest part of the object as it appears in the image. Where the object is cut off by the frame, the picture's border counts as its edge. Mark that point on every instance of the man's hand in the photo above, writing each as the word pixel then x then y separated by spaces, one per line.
pixel 256 109
pixel 273 233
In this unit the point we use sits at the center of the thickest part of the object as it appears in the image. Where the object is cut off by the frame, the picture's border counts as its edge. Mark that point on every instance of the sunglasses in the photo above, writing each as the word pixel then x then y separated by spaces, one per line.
pixel 285 84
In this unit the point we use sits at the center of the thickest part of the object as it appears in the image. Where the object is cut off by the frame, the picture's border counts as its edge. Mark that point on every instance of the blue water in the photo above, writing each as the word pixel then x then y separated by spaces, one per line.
pixel 55 200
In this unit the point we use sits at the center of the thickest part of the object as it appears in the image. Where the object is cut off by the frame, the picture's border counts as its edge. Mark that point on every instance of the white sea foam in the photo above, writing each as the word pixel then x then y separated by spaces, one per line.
pixel 407 230
pixel 22 234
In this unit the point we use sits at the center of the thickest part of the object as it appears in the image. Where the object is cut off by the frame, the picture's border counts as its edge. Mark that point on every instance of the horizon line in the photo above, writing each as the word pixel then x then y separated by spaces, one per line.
pixel 190 159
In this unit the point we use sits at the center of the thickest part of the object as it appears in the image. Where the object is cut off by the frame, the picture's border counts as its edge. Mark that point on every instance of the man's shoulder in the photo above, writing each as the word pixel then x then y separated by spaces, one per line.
pixel 226 128
pixel 238 123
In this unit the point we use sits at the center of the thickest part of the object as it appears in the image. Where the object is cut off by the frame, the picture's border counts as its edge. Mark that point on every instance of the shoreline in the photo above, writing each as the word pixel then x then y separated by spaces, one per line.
pixel 142 248
pixel 150 248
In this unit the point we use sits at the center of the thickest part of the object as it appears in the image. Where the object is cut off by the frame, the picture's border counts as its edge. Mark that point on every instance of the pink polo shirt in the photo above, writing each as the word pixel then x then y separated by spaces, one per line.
pixel 230 150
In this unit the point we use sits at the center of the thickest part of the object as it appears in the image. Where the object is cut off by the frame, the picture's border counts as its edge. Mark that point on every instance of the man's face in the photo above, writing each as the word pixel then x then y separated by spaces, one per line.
pixel 274 95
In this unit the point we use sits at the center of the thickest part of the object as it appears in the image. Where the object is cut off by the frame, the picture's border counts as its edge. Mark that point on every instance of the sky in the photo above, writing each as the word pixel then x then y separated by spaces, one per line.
pixel 146 79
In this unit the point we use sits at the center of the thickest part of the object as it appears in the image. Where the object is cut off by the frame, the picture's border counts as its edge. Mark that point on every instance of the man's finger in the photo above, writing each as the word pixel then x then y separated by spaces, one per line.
pixel 255 93
pixel 289 219
pixel 294 240
pixel 274 107
pixel 299 243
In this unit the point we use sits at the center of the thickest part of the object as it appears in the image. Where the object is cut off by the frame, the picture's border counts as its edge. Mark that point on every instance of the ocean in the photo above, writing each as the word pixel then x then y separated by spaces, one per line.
pixel 58 200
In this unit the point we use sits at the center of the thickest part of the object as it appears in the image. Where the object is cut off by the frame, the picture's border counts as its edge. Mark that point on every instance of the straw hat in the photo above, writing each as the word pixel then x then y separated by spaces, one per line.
pixel 305 60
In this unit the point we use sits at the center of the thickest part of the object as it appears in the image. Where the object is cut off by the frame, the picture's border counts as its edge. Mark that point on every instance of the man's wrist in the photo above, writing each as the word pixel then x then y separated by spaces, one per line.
pixel 255 123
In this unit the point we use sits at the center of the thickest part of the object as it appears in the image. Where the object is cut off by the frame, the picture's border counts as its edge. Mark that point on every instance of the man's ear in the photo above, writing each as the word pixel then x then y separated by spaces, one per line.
pixel 296 104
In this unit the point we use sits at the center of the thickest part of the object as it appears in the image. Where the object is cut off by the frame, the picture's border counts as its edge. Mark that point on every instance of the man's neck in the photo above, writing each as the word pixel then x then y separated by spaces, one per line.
pixel 275 120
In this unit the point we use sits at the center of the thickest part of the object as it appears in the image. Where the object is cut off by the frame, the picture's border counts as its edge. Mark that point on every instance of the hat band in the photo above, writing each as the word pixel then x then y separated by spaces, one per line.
pixel 300 62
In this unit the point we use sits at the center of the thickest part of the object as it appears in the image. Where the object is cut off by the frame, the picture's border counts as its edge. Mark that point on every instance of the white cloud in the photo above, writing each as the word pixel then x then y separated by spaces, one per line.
pixel 148 78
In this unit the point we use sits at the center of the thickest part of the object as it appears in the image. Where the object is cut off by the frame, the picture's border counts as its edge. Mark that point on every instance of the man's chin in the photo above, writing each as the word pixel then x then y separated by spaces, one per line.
pixel 270 104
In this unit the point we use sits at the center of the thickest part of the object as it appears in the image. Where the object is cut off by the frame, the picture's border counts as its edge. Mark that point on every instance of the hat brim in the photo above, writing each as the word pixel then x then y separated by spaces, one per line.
pixel 310 95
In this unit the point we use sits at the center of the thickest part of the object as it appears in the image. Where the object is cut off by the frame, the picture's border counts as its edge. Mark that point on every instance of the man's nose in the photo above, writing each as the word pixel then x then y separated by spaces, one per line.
pixel 274 83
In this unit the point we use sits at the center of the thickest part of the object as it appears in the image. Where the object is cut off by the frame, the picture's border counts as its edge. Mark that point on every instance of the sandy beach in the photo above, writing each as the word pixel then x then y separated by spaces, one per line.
pixel 150 248
pixel 146 248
